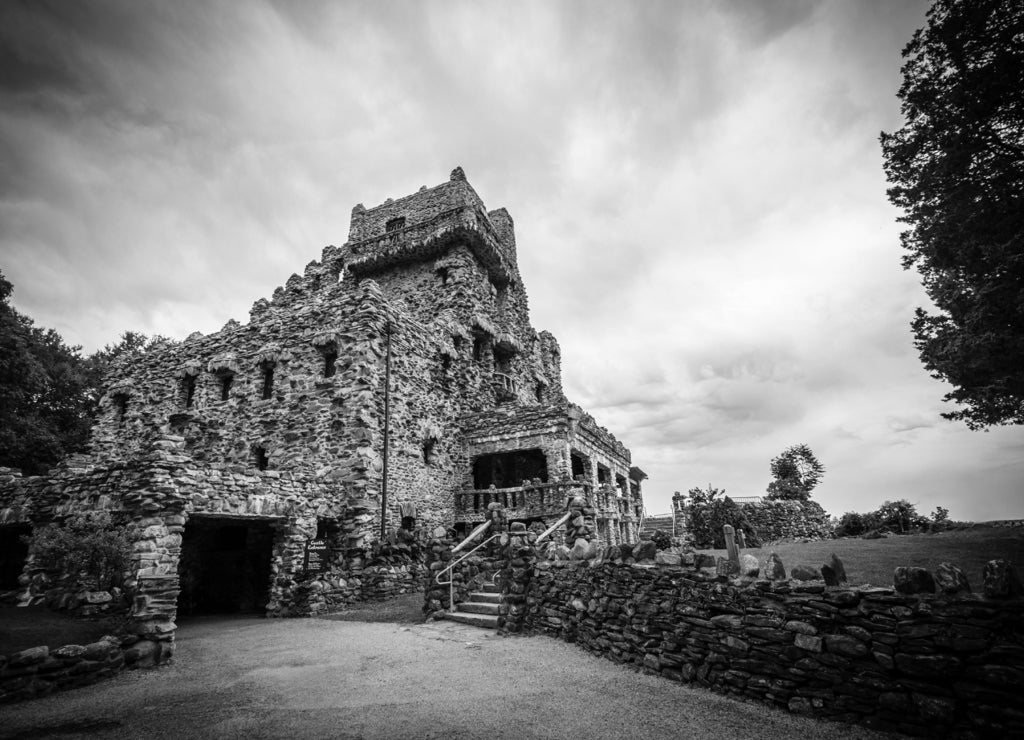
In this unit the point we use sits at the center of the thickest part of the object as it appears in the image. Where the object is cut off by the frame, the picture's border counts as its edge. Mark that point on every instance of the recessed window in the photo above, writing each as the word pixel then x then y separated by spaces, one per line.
pixel 268 382
pixel 188 390
pixel 262 461
pixel 428 451
pixel 443 273
pixel 458 342
pixel 538 392
pixel 120 407
pixel 395 224
pixel 478 348
pixel 226 380
pixel 316 283
pixel 330 353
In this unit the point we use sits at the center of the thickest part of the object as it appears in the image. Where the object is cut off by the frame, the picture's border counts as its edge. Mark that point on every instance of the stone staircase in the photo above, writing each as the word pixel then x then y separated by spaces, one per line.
pixel 480 610
pixel 658 523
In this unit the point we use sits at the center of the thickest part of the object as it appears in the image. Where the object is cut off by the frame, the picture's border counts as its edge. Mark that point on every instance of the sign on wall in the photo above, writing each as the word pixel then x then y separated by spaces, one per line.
pixel 316 556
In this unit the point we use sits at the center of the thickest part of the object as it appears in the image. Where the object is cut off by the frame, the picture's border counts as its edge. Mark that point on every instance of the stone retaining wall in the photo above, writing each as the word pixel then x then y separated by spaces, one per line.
pixel 920 664
pixel 38 671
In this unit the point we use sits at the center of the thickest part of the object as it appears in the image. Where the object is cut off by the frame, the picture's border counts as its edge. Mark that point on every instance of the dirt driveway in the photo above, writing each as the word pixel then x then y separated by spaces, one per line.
pixel 256 678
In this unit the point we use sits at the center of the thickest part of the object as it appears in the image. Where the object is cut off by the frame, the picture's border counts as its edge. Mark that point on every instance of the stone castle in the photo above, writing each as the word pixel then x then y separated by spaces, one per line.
pixel 395 387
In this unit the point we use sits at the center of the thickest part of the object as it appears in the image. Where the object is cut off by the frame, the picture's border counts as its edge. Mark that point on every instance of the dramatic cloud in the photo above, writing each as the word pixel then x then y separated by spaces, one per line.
pixel 697 189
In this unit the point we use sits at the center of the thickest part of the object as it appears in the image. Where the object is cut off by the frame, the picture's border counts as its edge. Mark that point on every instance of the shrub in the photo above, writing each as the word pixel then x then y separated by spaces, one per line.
pixel 852 524
pixel 709 511
pixel 86 547
pixel 900 516
pixel 661 540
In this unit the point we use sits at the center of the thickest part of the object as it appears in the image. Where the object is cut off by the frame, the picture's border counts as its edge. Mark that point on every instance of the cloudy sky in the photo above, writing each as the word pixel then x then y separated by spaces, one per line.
pixel 697 188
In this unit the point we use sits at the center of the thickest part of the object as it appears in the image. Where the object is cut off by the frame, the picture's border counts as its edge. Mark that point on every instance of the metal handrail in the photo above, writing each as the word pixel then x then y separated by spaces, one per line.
pixel 547 532
pixel 450 568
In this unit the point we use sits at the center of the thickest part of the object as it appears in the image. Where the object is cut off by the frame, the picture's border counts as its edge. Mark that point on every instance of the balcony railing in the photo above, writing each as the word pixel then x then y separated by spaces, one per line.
pixel 521 502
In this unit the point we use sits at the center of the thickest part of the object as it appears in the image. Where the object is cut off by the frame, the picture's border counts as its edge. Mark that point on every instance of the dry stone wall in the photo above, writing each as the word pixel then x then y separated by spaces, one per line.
pixel 921 664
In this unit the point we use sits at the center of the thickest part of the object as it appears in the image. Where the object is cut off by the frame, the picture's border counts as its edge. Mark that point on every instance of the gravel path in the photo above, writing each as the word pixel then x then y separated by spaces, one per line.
pixel 256 678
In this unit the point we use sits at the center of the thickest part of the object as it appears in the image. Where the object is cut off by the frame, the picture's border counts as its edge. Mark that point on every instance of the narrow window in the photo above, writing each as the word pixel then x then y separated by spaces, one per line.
pixel 188 389
pixel 395 224
pixel 226 379
pixel 330 362
pixel 538 392
pixel 268 382
pixel 316 283
pixel 478 348
pixel 458 342
pixel 428 451
pixel 261 458
pixel 443 274
pixel 120 407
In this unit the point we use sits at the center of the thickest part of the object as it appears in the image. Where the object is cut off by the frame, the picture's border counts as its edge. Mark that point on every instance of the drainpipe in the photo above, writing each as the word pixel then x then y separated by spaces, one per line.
pixel 387 433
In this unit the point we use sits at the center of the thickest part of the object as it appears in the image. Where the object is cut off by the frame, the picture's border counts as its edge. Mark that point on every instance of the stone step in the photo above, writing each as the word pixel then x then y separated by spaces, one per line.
pixel 481 597
pixel 478 608
pixel 487 621
pixel 491 588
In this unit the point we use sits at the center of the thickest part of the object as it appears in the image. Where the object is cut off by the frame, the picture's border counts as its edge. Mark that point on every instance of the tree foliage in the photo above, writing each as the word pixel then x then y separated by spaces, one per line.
pixel 43 392
pixel 709 511
pixel 87 549
pixel 795 473
pixel 49 392
pixel 956 169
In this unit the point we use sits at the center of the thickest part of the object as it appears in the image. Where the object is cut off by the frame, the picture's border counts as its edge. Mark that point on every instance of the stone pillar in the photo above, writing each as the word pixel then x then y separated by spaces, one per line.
pixel 519 554
pixel 438 554
pixel 580 529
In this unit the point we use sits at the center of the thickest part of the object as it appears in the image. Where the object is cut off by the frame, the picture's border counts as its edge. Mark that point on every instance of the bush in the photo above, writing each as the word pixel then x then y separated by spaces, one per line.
pixel 900 516
pixel 708 514
pixel 661 540
pixel 86 547
pixel 852 524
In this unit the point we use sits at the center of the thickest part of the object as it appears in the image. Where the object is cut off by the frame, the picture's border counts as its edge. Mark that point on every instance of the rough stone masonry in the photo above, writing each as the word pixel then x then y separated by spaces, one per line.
pixel 394 387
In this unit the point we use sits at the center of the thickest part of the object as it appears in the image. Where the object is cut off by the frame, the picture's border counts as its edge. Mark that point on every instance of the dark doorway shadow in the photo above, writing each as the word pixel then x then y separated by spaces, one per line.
pixel 224 567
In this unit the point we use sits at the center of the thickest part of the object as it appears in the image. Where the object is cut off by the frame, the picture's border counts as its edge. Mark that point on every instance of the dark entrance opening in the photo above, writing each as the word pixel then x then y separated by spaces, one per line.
pixel 13 553
pixel 580 466
pixel 509 469
pixel 225 566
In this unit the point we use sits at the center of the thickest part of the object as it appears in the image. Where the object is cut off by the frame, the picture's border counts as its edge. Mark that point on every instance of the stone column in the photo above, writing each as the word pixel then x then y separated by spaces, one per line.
pixel 519 554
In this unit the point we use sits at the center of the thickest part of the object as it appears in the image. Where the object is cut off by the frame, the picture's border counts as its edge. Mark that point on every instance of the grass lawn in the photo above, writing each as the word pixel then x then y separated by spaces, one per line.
pixel 873 561
pixel 31 626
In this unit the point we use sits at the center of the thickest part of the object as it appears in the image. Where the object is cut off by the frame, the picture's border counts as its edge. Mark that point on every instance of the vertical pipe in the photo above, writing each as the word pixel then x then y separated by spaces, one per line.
pixel 387 432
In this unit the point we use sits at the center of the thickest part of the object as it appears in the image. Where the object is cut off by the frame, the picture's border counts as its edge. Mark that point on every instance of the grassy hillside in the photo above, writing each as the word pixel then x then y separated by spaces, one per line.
pixel 873 561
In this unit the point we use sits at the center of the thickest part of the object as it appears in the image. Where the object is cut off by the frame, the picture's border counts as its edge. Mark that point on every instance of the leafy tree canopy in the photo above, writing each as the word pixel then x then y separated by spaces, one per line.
pixel 49 392
pixel 956 169
pixel 796 472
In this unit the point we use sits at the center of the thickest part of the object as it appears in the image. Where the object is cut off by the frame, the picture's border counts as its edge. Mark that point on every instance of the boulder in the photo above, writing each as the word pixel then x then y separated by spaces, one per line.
pixel 1001 580
pixel 913 580
pixel 668 558
pixel 833 571
pixel 804 573
pixel 645 550
pixel 773 569
pixel 950 579
pixel 749 566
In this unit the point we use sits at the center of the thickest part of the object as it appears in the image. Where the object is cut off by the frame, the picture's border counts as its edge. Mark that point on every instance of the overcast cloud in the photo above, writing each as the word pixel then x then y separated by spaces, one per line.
pixel 697 188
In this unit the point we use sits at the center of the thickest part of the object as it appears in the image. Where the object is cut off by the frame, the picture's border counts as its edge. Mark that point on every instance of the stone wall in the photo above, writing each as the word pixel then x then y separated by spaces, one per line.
pixel 769 520
pixel 921 664
pixel 776 520
pixel 39 671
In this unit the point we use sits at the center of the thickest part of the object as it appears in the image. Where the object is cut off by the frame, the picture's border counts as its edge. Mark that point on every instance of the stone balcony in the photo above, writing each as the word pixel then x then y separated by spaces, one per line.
pixel 534 501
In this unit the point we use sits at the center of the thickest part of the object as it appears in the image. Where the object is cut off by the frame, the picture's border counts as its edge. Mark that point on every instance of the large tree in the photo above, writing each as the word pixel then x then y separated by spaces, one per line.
pixel 956 169
pixel 795 474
